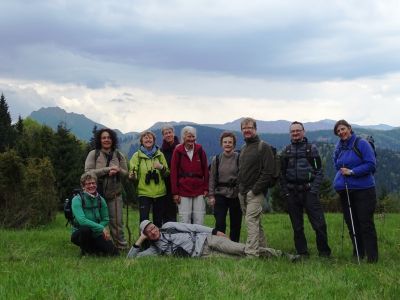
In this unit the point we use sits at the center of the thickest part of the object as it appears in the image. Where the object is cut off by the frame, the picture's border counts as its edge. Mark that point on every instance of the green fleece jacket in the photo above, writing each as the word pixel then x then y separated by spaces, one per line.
pixel 90 215
pixel 255 166
pixel 140 164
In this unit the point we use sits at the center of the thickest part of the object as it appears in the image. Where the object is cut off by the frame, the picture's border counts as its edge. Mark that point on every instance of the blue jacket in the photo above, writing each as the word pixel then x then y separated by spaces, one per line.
pixel 363 168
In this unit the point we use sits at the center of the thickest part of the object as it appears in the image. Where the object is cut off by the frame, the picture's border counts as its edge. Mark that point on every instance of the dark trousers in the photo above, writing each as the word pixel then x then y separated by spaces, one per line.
pixel 89 244
pixel 170 208
pixel 221 207
pixel 363 203
pixel 297 202
pixel 158 205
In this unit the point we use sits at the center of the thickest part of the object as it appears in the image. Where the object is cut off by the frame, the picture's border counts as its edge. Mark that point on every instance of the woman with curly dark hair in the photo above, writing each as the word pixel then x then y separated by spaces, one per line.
pixel 355 165
pixel 109 165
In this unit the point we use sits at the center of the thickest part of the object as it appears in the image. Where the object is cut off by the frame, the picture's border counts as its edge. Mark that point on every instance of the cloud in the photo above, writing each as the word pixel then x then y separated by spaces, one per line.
pixel 261 39
pixel 128 64
pixel 366 101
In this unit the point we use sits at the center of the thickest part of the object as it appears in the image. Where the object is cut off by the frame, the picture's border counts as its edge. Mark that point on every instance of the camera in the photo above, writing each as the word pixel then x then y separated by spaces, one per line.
pixel 152 175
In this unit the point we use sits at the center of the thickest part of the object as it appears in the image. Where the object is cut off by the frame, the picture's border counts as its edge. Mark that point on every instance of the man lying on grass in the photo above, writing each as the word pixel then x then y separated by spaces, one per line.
pixel 191 240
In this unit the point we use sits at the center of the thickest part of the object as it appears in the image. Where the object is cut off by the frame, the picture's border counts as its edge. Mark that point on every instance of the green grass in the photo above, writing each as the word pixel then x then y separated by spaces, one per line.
pixel 43 264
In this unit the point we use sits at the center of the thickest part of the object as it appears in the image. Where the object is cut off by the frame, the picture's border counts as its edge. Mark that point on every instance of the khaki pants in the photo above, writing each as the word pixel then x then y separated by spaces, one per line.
pixel 192 207
pixel 116 223
pixel 252 210
pixel 222 245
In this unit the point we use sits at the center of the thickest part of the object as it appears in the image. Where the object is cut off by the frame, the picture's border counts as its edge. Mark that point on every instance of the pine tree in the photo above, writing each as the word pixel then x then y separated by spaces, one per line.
pixel 5 125
pixel 92 143
pixel 19 126
pixel 68 159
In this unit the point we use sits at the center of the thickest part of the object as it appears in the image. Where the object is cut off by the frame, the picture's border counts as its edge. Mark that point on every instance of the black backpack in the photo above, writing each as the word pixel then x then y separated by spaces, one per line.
pixel 277 162
pixel 369 139
pixel 68 205
pixel 314 162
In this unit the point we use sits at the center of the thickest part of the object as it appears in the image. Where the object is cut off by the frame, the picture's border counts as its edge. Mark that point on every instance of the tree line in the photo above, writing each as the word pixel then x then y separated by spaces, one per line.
pixel 39 168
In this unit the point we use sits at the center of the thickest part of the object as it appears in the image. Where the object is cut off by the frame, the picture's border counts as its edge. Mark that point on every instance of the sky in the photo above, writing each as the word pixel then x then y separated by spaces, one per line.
pixel 130 63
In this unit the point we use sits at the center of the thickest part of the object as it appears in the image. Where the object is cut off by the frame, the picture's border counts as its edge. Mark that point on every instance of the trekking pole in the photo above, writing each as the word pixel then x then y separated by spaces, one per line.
pixel 352 222
pixel 342 232
pixel 127 222
pixel 116 217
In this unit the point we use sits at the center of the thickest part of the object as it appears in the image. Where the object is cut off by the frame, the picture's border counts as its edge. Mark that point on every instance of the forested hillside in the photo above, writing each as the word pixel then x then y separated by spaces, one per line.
pixel 40 166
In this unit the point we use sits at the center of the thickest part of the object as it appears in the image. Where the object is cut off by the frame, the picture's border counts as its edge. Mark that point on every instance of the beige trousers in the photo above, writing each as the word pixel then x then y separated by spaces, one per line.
pixel 252 210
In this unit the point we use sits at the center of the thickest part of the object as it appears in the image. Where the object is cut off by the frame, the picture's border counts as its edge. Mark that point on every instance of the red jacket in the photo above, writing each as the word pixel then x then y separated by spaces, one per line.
pixel 189 178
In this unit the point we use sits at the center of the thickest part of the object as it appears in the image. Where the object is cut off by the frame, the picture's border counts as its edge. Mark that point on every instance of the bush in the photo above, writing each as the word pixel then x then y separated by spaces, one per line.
pixel 27 193
pixel 11 182
pixel 389 203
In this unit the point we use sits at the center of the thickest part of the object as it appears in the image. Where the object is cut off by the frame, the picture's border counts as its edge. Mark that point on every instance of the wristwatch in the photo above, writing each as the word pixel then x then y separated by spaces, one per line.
pixel 351 173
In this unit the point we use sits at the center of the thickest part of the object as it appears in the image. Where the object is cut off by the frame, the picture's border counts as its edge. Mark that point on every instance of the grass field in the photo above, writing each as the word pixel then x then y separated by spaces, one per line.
pixel 43 264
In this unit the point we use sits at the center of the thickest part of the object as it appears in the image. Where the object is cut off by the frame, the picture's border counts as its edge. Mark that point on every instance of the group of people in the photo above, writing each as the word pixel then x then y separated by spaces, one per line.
pixel 176 177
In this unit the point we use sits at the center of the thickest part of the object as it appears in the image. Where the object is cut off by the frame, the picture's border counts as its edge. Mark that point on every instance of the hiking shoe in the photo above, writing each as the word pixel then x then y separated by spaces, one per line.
pixel 324 254
pixel 291 257
pixel 294 257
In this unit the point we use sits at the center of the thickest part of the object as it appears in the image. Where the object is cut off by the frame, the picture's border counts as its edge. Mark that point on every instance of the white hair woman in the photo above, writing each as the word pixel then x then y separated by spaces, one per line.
pixel 189 178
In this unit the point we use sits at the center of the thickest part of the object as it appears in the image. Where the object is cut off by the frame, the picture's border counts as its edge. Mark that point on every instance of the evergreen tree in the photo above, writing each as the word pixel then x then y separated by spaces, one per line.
pixel 19 126
pixel 92 143
pixel 12 170
pixel 5 125
pixel 40 192
pixel 68 160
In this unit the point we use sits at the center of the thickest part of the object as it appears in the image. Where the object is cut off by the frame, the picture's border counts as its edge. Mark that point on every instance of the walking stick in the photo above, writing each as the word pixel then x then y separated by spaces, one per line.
pixel 342 232
pixel 127 223
pixel 116 216
pixel 352 222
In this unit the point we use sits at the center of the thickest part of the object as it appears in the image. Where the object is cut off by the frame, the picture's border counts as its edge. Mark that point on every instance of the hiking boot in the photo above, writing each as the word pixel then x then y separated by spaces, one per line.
pixel 324 254
pixel 293 257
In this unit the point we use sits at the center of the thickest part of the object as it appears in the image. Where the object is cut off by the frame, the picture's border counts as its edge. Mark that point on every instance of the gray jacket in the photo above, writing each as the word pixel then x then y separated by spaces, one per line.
pixel 191 237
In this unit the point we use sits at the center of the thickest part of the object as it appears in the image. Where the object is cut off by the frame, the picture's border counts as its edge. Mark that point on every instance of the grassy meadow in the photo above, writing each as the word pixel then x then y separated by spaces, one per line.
pixel 43 264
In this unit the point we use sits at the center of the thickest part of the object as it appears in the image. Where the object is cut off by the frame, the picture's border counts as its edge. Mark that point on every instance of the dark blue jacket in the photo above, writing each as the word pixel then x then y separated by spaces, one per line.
pixel 363 168
pixel 298 169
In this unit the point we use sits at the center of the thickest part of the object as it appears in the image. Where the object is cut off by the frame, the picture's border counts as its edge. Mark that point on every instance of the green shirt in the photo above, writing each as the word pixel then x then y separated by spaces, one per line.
pixel 91 215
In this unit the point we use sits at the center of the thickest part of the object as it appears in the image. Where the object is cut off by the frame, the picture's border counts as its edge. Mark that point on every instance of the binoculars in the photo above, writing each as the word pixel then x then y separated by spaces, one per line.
pixel 152 175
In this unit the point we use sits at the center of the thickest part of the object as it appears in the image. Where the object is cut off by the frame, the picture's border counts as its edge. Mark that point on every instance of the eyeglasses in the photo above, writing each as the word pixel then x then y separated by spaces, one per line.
pixel 296 130
pixel 247 128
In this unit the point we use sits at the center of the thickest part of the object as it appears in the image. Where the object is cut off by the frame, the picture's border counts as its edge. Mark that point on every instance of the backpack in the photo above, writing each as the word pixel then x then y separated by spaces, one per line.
pixel 314 163
pixel 97 154
pixel 68 205
pixel 100 187
pixel 179 251
pixel 277 168
pixel 277 163
pixel 369 139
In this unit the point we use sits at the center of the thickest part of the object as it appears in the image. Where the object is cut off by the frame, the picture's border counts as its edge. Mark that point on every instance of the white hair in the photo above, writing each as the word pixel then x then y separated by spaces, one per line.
pixel 186 130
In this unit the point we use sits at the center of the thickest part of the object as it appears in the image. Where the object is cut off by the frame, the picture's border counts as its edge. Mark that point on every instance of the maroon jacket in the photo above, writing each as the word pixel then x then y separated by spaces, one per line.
pixel 189 178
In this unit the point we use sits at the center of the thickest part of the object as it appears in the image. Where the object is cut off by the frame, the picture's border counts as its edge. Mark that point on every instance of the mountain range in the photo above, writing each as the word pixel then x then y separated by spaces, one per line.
pixel 387 139
pixel 82 126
